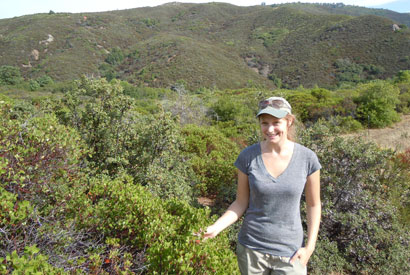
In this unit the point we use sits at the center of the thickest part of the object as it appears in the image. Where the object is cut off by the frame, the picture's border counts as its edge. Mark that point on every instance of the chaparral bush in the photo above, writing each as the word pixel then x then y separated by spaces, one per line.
pixel 156 157
pixel 131 215
pixel 361 229
pixel 39 162
pixel 35 152
pixel 148 147
pixel 212 156
pixel 32 262
pixel 10 75
pixel 101 113
pixel 376 104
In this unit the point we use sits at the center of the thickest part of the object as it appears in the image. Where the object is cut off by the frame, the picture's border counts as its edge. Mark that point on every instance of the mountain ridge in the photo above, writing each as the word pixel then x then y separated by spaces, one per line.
pixel 208 45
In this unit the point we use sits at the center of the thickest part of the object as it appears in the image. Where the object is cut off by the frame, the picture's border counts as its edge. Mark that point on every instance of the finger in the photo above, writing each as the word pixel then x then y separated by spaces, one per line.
pixel 293 259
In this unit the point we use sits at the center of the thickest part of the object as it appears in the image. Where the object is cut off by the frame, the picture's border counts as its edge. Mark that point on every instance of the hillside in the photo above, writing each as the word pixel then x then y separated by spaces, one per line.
pixel 208 45
pixel 340 8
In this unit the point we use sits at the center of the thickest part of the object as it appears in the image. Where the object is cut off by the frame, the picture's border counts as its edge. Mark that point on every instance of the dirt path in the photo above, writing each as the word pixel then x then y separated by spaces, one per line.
pixel 396 136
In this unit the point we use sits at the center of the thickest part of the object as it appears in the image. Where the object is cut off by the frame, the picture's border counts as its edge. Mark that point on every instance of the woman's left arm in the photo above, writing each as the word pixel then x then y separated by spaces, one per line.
pixel 314 210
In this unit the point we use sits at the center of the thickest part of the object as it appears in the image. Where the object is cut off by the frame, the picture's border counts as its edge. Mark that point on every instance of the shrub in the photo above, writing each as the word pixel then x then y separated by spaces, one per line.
pixel 36 151
pixel 31 262
pixel 101 113
pixel 40 161
pixel 44 80
pixel 156 157
pixel 376 104
pixel 314 104
pixel 348 71
pixel 9 75
pixel 341 124
pixel 129 213
pixel 358 215
pixel 147 147
pixel 107 71
pixel 33 85
pixel 225 109
pixel 301 103
pixel 115 57
pixel 402 76
pixel 209 158
pixel 404 99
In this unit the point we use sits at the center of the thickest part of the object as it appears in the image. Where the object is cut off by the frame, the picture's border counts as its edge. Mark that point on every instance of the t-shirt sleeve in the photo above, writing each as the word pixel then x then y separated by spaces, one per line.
pixel 242 162
pixel 314 164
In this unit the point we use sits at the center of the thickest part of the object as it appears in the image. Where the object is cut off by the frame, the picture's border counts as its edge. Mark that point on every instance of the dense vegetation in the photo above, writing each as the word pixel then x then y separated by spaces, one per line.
pixel 212 45
pixel 103 177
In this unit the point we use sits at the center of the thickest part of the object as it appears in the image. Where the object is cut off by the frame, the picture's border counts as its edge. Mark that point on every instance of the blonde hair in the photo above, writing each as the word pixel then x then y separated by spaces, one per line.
pixel 291 129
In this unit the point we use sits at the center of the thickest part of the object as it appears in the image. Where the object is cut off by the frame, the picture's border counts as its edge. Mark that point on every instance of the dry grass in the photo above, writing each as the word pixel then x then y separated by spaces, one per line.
pixel 396 136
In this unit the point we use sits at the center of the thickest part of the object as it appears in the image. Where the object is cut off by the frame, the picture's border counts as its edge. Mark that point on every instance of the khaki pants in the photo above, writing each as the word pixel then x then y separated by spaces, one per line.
pixel 252 262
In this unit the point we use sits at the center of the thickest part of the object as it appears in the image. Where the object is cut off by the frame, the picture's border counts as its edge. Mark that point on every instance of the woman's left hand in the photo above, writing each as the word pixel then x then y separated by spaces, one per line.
pixel 303 254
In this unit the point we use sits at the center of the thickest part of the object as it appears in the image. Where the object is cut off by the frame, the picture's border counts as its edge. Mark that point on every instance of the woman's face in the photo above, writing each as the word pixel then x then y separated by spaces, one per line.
pixel 273 129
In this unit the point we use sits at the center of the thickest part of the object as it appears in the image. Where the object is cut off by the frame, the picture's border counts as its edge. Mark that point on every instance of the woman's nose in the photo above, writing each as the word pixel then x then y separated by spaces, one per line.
pixel 270 128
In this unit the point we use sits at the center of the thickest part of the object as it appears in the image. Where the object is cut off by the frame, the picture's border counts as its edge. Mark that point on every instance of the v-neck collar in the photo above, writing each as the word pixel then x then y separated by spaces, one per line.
pixel 262 163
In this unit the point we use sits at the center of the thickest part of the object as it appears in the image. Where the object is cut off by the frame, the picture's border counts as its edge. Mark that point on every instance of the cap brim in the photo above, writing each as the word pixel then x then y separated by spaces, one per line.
pixel 273 112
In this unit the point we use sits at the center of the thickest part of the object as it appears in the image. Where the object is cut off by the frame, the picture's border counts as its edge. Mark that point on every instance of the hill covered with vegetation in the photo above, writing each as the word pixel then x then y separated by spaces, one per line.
pixel 340 8
pixel 211 45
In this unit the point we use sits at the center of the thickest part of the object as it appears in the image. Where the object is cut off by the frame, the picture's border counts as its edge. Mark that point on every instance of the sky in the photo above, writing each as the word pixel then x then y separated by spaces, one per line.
pixel 12 8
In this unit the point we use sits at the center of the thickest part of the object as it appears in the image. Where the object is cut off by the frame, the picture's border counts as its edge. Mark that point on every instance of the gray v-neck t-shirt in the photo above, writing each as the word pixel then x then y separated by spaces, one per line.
pixel 272 222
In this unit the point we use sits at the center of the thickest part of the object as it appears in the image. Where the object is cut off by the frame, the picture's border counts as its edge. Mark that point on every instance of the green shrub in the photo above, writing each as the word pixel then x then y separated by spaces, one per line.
pixel 34 86
pixel 30 262
pixel 157 160
pixel 209 158
pixel 127 212
pixel 348 71
pixel 344 124
pixel 40 161
pixel 107 71
pixel 12 212
pixel 404 98
pixel 36 152
pixel 147 147
pixel 400 193
pixel 359 217
pixel 311 105
pixel 402 77
pixel 225 109
pixel 377 104
pixel 115 57
pixel 101 113
pixel 44 80
pixel 301 102
pixel 326 259
pixel 10 75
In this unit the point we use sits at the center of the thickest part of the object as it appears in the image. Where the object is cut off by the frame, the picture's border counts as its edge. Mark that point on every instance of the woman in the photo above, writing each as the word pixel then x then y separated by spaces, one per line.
pixel 272 175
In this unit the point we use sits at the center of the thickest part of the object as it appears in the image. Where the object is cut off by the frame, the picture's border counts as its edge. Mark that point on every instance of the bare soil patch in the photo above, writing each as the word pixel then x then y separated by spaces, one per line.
pixel 396 137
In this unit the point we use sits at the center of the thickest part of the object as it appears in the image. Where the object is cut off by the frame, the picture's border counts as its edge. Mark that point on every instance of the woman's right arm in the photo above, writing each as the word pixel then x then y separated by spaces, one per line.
pixel 235 210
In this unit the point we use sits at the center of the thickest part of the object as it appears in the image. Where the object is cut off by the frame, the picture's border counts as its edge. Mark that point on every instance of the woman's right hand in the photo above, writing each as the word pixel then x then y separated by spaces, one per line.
pixel 211 232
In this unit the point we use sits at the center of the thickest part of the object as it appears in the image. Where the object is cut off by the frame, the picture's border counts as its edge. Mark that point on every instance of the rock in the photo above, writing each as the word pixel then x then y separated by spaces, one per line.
pixel 395 27
pixel 48 40
pixel 26 66
pixel 35 54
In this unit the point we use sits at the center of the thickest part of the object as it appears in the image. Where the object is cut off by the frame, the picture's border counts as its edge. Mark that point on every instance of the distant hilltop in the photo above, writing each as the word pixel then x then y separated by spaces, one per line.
pixel 212 45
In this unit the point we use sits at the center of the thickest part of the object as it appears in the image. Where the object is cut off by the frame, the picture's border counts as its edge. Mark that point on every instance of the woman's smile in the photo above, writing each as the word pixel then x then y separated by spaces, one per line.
pixel 273 128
